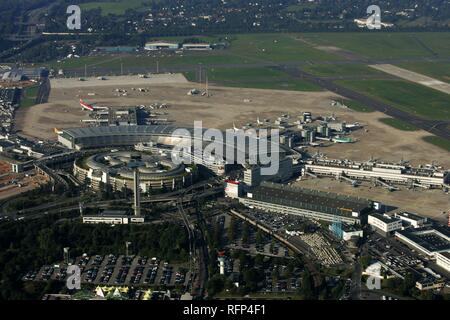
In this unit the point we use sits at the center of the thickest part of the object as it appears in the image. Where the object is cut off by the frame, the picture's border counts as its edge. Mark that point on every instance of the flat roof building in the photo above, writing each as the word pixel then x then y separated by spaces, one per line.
pixel 196 46
pixel 411 219
pixel 307 203
pixel 428 240
pixel 161 45
pixel 384 223
pixel 443 260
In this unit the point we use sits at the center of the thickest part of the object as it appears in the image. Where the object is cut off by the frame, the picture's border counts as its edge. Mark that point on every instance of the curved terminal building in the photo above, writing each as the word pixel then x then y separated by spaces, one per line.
pixel 116 169
pixel 169 136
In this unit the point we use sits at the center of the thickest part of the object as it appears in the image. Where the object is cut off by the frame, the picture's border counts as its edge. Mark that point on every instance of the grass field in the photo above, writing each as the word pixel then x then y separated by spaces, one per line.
pixel 387 45
pixel 406 96
pixel 117 7
pixel 437 141
pixel 336 70
pixel 29 97
pixel 260 78
pixel 357 106
pixel 398 124
pixel 275 48
pixel 437 70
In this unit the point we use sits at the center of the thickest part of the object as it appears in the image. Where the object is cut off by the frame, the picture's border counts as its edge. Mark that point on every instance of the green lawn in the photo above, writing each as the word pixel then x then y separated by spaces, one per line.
pixel 386 45
pixel 438 141
pixel 410 97
pixel 117 7
pixel 357 106
pixel 261 78
pixel 398 124
pixel 278 47
pixel 437 70
pixel 29 96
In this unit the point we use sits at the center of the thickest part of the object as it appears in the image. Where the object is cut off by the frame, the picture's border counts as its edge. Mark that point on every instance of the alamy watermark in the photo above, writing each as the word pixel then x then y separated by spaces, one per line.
pixel 374 20
pixel 73 280
pixel 74 20
pixel 374 280
pixel 238 146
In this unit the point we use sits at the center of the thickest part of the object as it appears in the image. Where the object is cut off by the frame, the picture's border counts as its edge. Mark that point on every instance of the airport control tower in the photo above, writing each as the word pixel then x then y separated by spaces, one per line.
pixel 137 194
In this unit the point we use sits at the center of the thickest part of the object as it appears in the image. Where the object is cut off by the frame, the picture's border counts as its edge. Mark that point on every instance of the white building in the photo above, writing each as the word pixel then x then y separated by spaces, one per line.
pixel 443 260
pixel 233 189
pixel 347 235
pixel 161 45
pixel 196 46
pixel 411 219
pixel 384 223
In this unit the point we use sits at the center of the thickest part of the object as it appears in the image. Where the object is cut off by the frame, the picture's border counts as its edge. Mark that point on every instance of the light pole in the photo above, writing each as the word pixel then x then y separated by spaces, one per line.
pixel 127 244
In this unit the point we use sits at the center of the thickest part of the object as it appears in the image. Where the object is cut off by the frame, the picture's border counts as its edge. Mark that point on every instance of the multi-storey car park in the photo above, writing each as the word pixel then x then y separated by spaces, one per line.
pixel 425 176
pixel 116 169
pixel 307 203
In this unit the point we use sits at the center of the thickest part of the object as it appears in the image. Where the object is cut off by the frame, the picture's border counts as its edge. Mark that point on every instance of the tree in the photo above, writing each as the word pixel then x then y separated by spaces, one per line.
pixel 215 285
pixel 307 285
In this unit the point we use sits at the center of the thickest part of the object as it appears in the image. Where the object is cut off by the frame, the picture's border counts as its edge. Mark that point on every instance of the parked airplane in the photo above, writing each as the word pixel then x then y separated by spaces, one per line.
pixel 85 106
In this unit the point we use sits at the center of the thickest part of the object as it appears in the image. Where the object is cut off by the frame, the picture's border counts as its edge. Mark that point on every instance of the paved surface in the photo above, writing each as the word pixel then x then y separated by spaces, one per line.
pixel 70 83
pixel 413 77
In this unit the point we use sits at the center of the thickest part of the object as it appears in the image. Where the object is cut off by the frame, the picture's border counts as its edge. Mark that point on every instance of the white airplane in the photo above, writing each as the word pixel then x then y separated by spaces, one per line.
pixel 259 122
pixel 236 129
pixel 85 106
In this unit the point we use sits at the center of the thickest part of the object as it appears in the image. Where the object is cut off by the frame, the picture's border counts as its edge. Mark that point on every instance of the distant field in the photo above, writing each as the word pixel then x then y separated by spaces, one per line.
pixel 117 7
pixel 437 70
pixel 142 61
pixel 437 141
pixel 335 70
pixel 406 96
pixel 260 78
pixel 275 48
pixel 386 45
pixel 398 124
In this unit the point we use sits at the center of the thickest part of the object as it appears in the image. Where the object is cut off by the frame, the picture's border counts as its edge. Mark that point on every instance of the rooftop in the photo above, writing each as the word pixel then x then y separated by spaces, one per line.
pixel 410 215
pixel 432 239
pixel 385 219
pixel 296 197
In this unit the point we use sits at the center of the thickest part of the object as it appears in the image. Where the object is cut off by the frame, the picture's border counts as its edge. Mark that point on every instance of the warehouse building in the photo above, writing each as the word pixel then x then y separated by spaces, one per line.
pixel 307 203
pixel 161 45
pixel 427 240
pixel 197 46
pixel 443 260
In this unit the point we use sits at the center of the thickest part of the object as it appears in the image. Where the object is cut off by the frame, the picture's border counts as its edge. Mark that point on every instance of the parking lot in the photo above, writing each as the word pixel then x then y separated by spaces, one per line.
pixel 118 270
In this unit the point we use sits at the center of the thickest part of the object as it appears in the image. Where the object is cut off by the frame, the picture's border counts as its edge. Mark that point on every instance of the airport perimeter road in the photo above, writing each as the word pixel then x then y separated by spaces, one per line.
pixel 439 128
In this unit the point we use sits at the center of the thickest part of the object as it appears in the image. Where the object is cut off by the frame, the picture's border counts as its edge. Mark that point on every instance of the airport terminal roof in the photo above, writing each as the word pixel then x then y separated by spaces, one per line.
pixel 120 130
